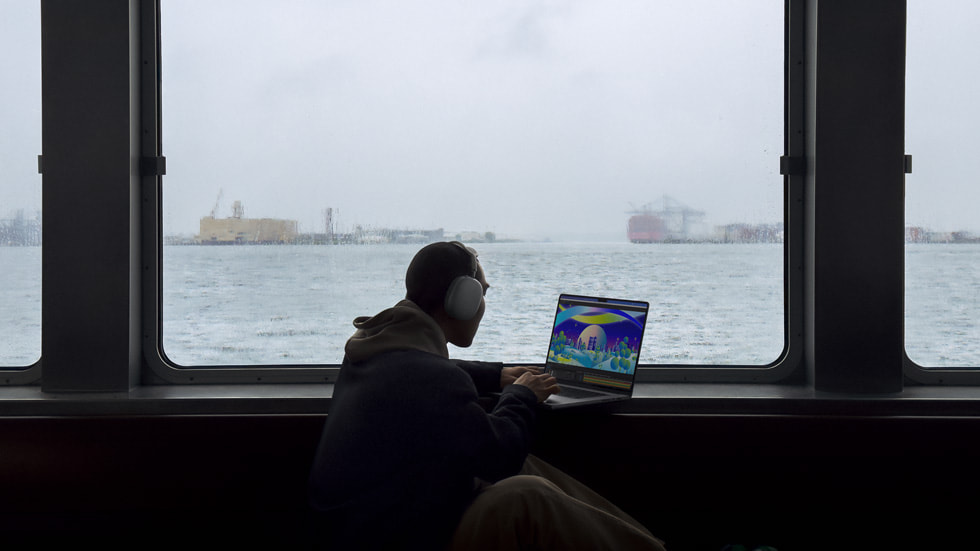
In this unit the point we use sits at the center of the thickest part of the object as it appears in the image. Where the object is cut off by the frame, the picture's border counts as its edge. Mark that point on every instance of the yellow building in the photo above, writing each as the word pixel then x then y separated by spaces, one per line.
pixel 241 230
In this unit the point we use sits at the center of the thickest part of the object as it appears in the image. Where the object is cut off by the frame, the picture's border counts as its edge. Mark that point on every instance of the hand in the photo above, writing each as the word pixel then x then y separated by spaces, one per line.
pixel 541 384
pixel 510 374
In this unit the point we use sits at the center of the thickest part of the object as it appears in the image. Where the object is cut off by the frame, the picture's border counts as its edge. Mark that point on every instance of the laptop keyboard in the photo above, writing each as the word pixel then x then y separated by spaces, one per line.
pixel 572 392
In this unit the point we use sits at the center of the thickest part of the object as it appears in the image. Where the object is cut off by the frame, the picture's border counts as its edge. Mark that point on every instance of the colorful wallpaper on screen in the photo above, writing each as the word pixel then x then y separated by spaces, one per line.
pixel 600 338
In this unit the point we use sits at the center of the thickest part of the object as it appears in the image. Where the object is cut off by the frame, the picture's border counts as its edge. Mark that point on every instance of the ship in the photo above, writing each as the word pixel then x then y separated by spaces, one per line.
pixel 646 227
pixel 671 223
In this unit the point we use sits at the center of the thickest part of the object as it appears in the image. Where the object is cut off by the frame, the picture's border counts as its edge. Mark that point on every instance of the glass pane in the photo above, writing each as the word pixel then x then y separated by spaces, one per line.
pixel 329 140
pixel 20 184
pixel 942 289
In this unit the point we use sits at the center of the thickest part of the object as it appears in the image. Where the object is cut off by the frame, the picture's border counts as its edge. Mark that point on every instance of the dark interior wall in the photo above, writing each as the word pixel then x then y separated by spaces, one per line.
pixel 699 482
pixel 165 481
pixel 793 482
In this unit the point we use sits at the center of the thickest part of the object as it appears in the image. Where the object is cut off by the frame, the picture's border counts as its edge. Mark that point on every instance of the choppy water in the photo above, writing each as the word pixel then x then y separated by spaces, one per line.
pixel 710 303
pixel 942 304
pixel 20 305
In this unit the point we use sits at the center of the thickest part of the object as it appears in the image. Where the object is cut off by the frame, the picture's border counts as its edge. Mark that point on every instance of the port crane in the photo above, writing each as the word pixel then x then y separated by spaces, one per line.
pixel 217 201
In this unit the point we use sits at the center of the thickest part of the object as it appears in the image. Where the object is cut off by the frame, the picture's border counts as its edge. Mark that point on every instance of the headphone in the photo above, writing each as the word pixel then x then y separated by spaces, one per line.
pixel 465 293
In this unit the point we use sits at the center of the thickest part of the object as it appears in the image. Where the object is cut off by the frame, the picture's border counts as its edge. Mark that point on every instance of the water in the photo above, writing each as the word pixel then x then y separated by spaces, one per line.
pixel 715 304
pixel 20 305
pixel 942 304
pixel 294 304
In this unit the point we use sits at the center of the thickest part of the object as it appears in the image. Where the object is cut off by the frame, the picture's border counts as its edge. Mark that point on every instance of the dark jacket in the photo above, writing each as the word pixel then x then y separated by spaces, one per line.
pixel 406 436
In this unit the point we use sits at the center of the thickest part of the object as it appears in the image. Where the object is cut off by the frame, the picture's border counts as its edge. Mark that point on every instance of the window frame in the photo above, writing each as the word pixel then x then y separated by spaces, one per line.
pixel 14 375
pixel 112 348
pixel 919 374
pixel 787 368
pixel 17 376
pixel 157 368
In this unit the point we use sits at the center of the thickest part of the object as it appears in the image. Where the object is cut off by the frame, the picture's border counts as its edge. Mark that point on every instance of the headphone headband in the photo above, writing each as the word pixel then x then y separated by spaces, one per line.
pixel 472 255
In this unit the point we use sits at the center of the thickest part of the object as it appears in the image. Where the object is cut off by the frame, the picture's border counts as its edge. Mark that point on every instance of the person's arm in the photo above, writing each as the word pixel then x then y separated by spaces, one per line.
pixel 497 442
pixel 512 423
pixel 486 375
pixel 492 376
pixel 507 433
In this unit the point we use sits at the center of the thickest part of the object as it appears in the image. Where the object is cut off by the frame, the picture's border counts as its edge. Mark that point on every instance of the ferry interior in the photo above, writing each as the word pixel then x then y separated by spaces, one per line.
pixel 843 443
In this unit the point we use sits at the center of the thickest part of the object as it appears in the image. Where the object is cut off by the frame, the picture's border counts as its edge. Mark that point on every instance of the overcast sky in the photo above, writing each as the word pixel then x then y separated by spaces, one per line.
pixel 524 118
pixel 943 114
pixel 20 107
pixel 527 118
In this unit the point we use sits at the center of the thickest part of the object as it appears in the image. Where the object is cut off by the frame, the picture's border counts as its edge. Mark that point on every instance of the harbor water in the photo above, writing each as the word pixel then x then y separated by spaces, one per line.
pixel 292 304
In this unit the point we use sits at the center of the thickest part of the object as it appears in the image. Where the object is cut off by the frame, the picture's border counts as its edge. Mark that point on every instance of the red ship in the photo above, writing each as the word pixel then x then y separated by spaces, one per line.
pixel 646 228
pixel 672 223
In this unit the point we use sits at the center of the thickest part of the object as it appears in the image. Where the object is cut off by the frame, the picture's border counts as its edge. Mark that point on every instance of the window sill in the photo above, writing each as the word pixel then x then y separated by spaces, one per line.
pixel 649 399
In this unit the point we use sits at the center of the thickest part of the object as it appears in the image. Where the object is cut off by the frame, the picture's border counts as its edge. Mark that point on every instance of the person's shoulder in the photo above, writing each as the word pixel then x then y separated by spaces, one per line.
pixel 428 369
pixel 414 357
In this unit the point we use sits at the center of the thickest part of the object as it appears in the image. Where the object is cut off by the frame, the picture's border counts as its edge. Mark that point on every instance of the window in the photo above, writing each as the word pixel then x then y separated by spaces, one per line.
pixel 837 33
pixel 20 185
pixel 943 228
pixel 325 143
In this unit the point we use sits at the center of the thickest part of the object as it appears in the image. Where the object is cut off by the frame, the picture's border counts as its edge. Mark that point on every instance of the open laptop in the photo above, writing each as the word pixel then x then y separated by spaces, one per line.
pixel 594 349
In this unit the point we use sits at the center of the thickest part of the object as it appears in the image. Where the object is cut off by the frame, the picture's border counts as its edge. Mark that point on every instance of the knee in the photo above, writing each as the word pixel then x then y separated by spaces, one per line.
pixel 524 488
pixel 503 515
pixel 518 496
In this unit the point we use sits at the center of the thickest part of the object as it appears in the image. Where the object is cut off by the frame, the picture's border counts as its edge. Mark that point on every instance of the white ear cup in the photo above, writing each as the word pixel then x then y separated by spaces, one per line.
pixel 463 298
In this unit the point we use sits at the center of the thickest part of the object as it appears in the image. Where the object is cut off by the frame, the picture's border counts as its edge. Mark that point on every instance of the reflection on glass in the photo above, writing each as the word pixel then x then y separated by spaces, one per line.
pixel 324 142
pixel 942 289
pixel 20 184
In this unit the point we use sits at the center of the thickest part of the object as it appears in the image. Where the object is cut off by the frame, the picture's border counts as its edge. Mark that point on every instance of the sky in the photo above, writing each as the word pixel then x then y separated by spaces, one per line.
pixel 531 119
pixel 942 115
pixel 527 119
pixel 20 107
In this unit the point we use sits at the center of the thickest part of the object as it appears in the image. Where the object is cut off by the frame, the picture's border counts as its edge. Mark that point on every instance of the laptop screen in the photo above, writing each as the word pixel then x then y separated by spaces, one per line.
pixel 596 341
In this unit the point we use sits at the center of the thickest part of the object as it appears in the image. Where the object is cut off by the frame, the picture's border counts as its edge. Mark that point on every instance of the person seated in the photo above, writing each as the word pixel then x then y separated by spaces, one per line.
pixel 410 459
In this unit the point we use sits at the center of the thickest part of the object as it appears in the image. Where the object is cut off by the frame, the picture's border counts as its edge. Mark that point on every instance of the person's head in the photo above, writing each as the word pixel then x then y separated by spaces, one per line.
pixel 445 280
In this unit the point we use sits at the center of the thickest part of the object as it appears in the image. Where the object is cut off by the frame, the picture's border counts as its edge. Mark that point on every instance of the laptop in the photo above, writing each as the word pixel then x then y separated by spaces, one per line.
pixel 594 349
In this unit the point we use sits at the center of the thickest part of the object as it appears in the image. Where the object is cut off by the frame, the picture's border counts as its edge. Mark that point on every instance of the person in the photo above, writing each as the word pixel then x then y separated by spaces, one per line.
pixel 410 458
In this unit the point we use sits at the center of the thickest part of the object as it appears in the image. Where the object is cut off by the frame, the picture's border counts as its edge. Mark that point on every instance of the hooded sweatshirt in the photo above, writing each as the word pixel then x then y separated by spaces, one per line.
pixel 406 439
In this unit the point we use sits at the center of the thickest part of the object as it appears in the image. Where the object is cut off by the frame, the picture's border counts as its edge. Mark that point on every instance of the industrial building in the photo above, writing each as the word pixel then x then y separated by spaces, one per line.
pixel 238 230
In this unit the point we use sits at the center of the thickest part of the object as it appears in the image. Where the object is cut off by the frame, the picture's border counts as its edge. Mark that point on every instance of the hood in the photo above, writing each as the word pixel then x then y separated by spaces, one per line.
pixel 404 326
